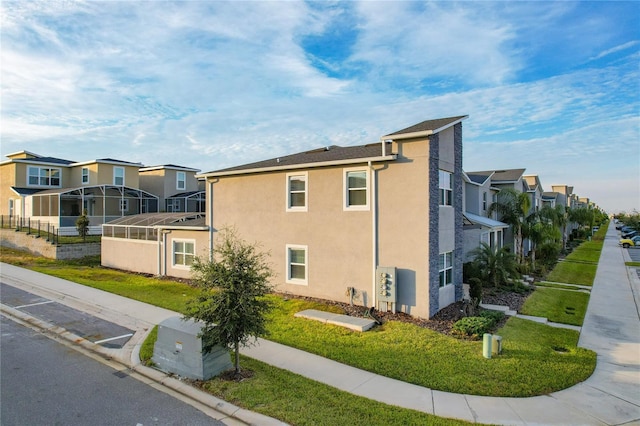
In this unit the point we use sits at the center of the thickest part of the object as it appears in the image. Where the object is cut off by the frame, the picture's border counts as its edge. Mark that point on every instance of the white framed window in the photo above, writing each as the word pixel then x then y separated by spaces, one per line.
pixel 484 201
pixel 446 268
pixel 43 176
pixel 10 207
pixel 356 189
pixel 85 175
pixel 297 264
pixel 297 192
pixel 124 204
pixel 118 176
pixel 184 251
pixel 181 181
pixel 446 188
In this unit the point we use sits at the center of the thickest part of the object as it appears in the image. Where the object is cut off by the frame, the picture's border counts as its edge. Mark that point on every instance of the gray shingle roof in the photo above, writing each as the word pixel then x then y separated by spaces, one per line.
pixel 509 175
pixel 321 155
pixel 429 125
pixel 478 177
pixel 47 160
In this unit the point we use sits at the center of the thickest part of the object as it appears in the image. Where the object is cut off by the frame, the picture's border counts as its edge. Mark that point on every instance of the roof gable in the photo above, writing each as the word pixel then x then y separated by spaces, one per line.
pixel 427 127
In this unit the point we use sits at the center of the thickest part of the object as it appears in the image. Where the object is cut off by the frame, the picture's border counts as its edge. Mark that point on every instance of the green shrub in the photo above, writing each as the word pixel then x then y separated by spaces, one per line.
pixel 472 326
pixel 494 316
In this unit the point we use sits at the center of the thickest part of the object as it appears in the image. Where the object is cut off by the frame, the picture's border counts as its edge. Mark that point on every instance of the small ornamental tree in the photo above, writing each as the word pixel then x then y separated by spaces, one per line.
pixel 82 225
pixel 231 303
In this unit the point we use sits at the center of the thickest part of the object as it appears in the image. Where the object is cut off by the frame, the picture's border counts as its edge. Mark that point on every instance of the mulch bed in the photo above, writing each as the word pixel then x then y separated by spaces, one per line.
pixel 443 321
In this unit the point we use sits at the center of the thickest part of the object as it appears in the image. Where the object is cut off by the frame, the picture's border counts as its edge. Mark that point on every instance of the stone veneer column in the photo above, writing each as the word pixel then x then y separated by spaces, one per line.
pixel 434 222
pixel 457 205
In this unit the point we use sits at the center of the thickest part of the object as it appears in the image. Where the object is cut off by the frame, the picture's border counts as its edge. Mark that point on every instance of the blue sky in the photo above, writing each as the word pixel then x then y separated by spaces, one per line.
pixel 553 87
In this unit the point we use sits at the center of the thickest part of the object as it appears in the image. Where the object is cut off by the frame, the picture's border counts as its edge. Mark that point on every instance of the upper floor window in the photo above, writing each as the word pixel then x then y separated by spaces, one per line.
pixel 446 188
pixel 181 181
pixel 118 176
pixel 297 192
pixel 356 184
pixel 124 204
pixel 446 268
pixel 484 201
pixel 43 176
pixel 85 175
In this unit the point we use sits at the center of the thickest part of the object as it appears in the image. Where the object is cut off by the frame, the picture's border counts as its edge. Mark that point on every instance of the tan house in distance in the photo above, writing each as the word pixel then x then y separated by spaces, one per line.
pixel 176 186
pixel 56 191
pixel 383 219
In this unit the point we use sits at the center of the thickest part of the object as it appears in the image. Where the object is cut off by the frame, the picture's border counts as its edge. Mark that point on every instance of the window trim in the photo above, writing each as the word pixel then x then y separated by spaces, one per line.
pixel 443 191
pixel 288 278
pixel 305 177
pixel 183 180
pixel 447 267
pixel 85 175
pixel 115 176
pixel 484 201
pixel 48 176
pixel 345 189
pixel 184 253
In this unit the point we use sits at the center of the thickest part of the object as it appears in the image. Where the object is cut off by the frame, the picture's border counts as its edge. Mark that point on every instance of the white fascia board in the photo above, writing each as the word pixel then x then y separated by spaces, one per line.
pixel 24 152
pixel 298 166
pixel 186 228
pixel 37 163
pixel 179 168
pixel 116 163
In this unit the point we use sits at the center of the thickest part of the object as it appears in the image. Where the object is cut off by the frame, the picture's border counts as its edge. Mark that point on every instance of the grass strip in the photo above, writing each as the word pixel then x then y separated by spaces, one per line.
pixel 633 264
pixel 562 306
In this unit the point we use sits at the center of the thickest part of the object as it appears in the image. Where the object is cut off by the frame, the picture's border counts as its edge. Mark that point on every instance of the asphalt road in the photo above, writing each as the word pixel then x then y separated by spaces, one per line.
pixel 634 253
pixel 46 383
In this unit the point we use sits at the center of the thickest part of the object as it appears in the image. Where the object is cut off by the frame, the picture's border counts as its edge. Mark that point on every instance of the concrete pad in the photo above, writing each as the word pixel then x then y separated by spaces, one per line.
pixel 540 320
pixel 501 308
pixel 347 321
pixel 452 405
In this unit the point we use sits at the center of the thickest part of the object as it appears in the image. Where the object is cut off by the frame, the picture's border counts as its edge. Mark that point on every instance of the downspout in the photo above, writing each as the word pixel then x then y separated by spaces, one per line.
pixel 160 250
pixel 374 232
pixel 210 217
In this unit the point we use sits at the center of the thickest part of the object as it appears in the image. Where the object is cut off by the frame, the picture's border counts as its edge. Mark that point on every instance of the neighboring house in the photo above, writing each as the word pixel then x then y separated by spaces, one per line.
pixel 499 180
pixel 177 188
pixel 57 191
pixel 480 227
pixel 535 191
pixel 334 218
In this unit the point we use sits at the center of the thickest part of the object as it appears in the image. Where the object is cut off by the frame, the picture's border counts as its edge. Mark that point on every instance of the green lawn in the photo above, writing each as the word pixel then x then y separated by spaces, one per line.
pixel 633 264
pixel 563 306
pixel 579 267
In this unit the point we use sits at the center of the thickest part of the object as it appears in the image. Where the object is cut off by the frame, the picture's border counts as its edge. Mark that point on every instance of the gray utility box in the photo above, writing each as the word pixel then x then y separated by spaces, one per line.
pixel 178 350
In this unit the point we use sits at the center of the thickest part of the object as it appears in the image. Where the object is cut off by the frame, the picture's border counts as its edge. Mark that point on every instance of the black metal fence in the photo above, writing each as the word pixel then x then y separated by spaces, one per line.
pixel 37 228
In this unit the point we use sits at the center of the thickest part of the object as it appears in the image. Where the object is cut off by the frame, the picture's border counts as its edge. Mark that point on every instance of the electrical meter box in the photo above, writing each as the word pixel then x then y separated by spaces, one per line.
pixel 386 285
pixel 178 350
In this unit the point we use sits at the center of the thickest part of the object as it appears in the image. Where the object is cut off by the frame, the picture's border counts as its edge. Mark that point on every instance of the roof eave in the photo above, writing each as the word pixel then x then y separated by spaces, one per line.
pixel 299 166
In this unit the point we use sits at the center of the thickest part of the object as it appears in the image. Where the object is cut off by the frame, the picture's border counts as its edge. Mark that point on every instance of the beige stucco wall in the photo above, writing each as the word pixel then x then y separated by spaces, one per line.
pixel 164 184
pixel 130 255
pixel 7 180
pixel 338 242
pixel 104 175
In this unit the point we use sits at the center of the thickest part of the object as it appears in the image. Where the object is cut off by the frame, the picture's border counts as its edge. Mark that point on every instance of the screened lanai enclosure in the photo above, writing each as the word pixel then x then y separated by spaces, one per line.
pixel 103 203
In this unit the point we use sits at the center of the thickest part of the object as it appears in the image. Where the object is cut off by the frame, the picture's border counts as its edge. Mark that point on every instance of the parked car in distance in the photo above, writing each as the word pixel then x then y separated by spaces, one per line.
pixel 619 225
pixel 630 242
pixel 630 234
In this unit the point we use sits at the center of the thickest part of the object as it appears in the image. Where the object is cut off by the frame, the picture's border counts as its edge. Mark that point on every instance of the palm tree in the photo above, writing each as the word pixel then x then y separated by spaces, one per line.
pixel 497 265
pixel 540 227
pixel 513 207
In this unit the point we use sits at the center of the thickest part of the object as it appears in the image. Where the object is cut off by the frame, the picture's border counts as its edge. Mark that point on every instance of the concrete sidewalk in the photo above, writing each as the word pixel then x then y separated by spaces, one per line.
pixel 611 396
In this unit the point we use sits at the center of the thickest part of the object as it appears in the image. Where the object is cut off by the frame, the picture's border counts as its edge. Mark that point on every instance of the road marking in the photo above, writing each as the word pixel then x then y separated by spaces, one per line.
pixel 112 338
pixel 33 304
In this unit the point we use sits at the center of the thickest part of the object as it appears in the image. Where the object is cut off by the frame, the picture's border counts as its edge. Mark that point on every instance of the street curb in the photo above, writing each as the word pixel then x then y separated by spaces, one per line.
pixel 246 416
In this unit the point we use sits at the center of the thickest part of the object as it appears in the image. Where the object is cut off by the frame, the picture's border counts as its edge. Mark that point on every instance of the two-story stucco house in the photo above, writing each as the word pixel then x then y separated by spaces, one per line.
pixel 57 191
pixel 176 186
pixel 332 217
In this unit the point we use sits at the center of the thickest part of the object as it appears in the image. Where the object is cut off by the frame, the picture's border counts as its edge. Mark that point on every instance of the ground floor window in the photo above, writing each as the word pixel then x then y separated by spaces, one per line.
pixel 184 251
pixel 446 268
pixel 297 264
